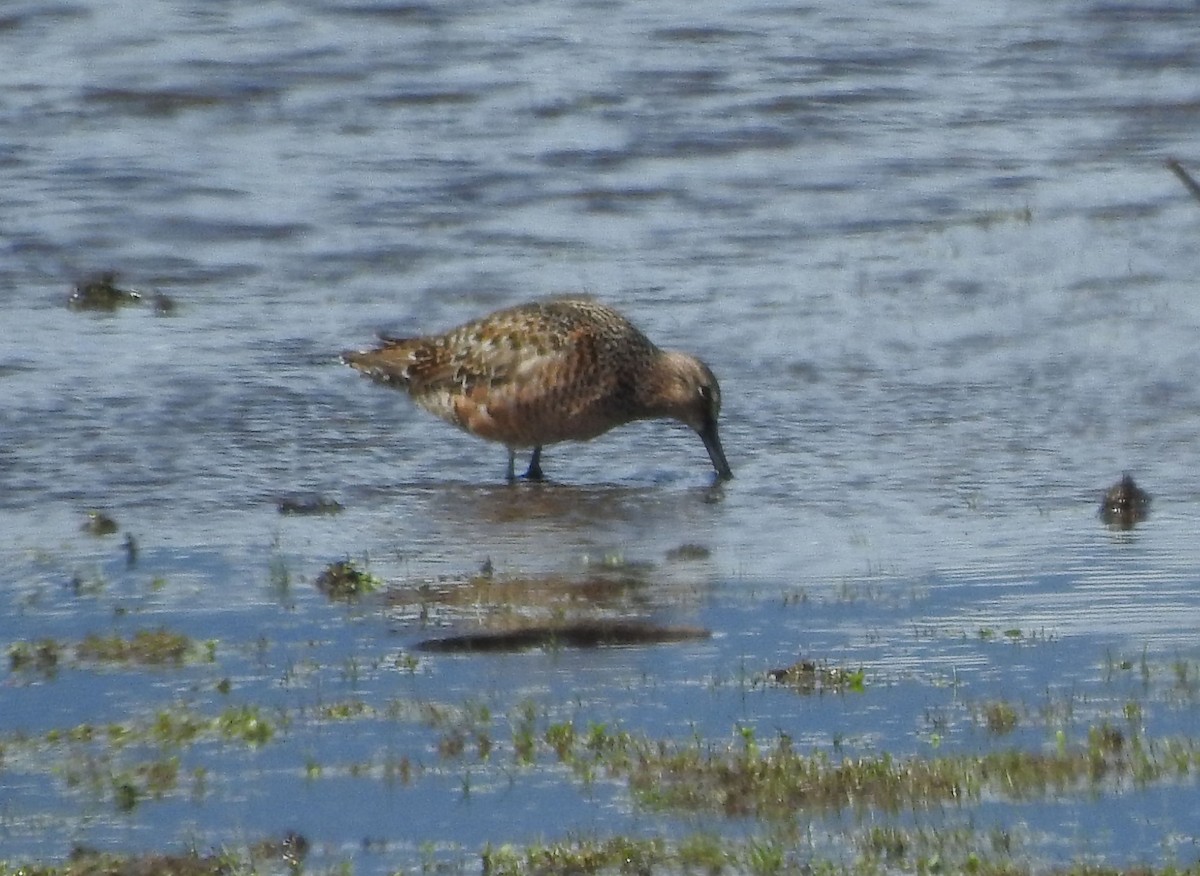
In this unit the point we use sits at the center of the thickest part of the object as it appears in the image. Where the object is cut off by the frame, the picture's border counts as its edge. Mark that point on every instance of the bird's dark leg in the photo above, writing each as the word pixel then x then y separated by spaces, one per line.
pixel 534 472
pixel 511 475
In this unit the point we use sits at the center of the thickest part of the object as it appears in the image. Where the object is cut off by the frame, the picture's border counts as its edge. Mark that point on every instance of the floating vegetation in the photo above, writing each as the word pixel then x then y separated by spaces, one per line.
pixel 127 763
pixel 41 657
pixel 580 634
pixel 688 552
pixel 985 219
pixel 99 524
pixel 158 647
pixel 284 710
pixel 101 292
pixel 290 851
pixel 770 780
pixel 1021 215
pixel 1125 504
pixel 1015 636
pixel 307 506
pixel 782 781
pixel 615 562
pixel 880 849
pixel 83 585
pixel 774 781
pixel 145 648
pixel 616 854
pixel 150 780
pixel 999 717
pixel 809 677
pixel 247 724
pixel 344 580
pixel 279 572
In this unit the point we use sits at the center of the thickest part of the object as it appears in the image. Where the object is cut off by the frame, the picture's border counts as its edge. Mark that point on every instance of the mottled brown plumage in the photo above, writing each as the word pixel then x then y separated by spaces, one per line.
pixel 549 371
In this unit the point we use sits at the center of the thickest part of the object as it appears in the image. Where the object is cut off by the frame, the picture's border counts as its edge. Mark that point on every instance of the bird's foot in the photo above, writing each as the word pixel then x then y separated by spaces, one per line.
pixel 534 472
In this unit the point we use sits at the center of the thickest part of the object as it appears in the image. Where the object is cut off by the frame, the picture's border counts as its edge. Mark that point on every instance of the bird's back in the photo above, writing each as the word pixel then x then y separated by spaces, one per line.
pixel 529 375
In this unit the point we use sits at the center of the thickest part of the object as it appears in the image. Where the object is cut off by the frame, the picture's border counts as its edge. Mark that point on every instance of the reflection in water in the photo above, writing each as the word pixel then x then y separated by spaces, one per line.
pixel 564 506
pixel 564 634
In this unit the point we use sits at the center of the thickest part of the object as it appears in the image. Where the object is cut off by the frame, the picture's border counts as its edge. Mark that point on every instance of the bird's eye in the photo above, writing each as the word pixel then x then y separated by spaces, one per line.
pixel 706 392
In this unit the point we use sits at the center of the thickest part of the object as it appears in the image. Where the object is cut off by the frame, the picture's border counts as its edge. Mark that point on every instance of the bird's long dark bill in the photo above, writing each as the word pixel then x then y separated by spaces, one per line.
pixel 712 443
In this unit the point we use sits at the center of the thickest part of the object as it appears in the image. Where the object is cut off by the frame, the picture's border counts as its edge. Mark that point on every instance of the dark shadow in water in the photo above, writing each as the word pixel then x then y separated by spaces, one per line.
pixel 580 634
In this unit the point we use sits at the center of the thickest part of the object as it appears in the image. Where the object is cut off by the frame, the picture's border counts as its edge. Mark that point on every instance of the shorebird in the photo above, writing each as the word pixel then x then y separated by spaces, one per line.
pixel 564 369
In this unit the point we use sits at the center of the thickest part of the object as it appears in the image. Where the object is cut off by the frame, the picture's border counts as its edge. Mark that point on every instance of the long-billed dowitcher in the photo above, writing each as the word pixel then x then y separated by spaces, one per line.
pixel 548 371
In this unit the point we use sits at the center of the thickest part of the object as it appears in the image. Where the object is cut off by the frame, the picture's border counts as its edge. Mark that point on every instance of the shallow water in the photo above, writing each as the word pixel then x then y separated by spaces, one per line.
pixel 931 251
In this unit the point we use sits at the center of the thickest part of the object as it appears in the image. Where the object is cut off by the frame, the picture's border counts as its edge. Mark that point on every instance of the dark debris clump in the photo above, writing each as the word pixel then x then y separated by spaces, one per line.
pixel 1125 504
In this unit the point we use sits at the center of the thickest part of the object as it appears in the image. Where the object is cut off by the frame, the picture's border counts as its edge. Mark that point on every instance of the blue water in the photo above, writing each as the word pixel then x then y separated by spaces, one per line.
pixel 931 251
